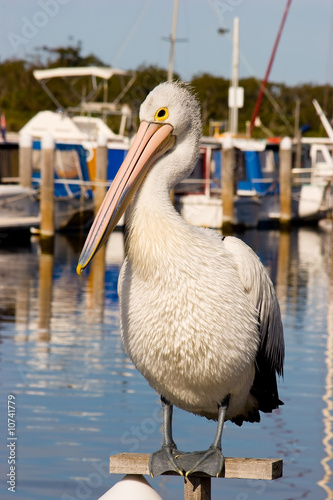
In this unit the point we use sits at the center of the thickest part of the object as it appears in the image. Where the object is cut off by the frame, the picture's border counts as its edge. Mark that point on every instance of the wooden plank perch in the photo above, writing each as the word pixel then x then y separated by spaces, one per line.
pixel 198 486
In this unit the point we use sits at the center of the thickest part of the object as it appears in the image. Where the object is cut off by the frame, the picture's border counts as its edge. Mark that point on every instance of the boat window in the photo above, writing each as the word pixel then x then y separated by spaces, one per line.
pixel 319 156
pixel 267 161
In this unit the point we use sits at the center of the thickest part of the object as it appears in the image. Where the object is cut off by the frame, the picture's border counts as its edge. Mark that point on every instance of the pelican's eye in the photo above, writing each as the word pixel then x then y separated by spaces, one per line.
pixel 161 115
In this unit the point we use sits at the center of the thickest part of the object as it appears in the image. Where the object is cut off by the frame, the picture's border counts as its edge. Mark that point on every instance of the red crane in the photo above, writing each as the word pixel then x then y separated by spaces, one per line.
pixel 269 67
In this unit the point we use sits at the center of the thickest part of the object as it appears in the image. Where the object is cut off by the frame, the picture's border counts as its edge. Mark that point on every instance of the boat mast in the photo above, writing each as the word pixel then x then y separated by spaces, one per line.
pixel 270 64
pixel 173 39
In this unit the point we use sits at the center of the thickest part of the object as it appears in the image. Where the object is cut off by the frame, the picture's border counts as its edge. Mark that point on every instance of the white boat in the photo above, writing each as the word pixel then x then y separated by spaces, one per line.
pixel 310 198
pixel 315 179
pixel 256 198
pixel 19 206
pixel 199 198
pixel 76 138
pixel 88 116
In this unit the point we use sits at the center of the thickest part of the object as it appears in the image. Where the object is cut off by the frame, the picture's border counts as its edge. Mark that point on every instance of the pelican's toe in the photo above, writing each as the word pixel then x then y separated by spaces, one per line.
pixel 165 460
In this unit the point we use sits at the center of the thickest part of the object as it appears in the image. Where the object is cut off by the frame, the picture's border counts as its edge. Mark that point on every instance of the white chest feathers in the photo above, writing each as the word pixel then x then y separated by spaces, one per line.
pixel 187 322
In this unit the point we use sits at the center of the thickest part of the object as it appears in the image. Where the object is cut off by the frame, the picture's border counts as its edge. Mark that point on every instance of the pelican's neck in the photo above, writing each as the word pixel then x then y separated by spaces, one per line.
pixel 156 230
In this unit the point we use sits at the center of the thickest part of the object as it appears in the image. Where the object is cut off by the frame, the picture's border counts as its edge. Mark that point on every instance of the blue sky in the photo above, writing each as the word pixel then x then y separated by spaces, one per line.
pixel 127 33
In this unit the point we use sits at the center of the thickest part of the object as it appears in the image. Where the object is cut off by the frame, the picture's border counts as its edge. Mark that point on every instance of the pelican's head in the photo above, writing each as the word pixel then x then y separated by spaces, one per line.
pixel 169 123
pixel 173 103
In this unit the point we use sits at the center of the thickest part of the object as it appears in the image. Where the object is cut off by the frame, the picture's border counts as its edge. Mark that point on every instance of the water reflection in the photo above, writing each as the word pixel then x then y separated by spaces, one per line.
pixel 45 295
pixel 326 462
pixel 62 355
pixel 283 269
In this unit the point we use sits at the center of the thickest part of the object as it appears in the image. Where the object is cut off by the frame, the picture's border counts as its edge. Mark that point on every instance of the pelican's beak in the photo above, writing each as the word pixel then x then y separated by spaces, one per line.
pixel 151 142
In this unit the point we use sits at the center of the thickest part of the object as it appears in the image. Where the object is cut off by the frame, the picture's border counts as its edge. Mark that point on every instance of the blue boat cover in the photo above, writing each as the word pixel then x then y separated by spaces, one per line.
pixel 115 159
pixel 254 172
pixel 68 189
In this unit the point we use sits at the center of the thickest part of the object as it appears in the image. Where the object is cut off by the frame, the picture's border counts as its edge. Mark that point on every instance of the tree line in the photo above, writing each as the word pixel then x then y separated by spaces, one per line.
pixel 21 96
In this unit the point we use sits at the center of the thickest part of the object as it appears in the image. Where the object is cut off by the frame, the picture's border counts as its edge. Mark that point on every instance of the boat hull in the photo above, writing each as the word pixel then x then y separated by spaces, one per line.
pixel 19 208
pixel 201 210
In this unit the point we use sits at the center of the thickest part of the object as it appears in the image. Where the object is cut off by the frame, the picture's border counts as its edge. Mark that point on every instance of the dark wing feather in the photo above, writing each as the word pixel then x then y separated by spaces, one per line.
pixel 270 355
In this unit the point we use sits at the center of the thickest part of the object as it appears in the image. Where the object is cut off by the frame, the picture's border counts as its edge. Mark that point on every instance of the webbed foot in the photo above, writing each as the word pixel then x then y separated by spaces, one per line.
pixel 210 462
pixel 165 460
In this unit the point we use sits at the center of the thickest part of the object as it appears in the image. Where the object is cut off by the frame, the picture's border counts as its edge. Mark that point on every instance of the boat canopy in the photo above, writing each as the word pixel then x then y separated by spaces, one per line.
pixel 85 103
pixel 62 128
pixel 65 129
pixel 102 72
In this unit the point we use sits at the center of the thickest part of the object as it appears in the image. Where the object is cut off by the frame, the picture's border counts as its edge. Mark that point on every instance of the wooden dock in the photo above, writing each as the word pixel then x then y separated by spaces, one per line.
pixel 198 486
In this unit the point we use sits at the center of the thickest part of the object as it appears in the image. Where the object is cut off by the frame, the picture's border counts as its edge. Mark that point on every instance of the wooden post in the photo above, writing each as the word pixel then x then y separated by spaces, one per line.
pixel 285 183
pixel 25 159
pixel 101 170
pixel 228 161
pixel 198 486
pixel 47 187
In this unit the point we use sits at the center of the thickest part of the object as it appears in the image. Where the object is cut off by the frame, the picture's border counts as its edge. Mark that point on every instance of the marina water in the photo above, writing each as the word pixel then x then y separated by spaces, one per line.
pixel 79 399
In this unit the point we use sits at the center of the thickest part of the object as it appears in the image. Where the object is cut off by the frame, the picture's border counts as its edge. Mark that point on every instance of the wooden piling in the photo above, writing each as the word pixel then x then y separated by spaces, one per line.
pixel 228 162
pixel 25 159
pixel 285 183
pixel 47 187
pixel 198 485
pixel 198 488
pixel 101 170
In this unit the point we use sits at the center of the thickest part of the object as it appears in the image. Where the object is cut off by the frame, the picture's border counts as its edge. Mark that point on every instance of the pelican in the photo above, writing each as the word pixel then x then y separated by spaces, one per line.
pixel 199 315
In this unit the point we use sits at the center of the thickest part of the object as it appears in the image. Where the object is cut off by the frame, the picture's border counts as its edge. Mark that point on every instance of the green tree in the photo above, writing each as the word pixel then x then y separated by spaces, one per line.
pixel 21 97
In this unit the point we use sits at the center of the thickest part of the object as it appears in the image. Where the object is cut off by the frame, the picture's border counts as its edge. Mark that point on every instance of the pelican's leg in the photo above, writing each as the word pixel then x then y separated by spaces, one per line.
pixel 211 461
pixel 164 460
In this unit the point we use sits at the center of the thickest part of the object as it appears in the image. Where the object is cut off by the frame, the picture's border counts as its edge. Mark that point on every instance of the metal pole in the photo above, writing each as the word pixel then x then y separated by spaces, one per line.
pixel 173 40
pixel 235 64
pixel 298 135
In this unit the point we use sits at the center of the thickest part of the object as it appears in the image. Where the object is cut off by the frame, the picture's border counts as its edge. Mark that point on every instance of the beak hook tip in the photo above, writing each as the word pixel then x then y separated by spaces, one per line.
pixel 79 269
